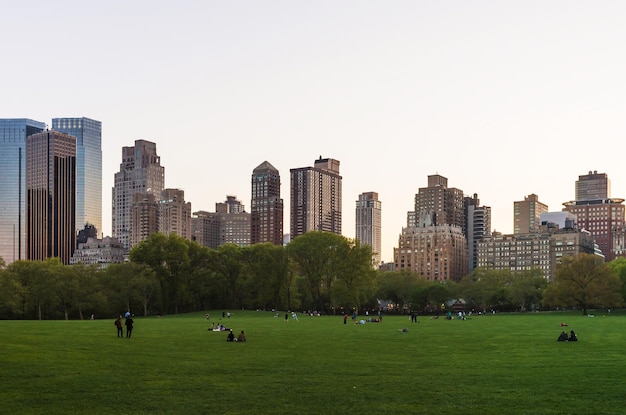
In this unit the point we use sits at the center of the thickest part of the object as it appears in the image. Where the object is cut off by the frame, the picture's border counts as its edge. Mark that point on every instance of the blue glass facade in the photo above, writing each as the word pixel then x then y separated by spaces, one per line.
pixel 88 135
pixel 13 133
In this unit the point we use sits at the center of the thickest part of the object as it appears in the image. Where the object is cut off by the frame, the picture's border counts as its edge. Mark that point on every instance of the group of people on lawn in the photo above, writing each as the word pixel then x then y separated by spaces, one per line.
pixel 231 336
pixel 563 337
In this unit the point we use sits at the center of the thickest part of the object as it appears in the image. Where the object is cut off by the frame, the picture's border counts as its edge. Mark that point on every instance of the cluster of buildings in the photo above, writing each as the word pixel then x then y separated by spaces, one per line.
pixel 52 207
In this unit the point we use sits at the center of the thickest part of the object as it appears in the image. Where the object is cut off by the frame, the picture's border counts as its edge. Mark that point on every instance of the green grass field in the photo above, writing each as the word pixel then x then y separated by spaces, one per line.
pixel 492 364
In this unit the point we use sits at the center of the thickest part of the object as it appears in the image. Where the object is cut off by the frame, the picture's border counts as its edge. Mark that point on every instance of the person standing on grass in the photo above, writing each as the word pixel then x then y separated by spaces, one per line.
pixel 345 318
pixel 286 317
pixel 129 326
pixel 118 324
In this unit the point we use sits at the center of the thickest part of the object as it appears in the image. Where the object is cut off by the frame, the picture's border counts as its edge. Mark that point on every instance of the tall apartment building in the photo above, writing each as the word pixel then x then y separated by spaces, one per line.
pixel 435 244
pixel 527 214
pixel 234 222
pixel 600 214
pixel 445 205
pixel 266 206
pixel 316 198
pixel 50 196
pixel 13 133
pixel 88 135
pixel 140 172
pixel 369 223
pixel 144 217
pixel 478 226
pixel 175 214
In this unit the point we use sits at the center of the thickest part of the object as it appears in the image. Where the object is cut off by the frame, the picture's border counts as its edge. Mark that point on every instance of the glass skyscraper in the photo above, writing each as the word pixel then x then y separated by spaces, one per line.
pixel 50 196
pixel 88 135
pixel 13 133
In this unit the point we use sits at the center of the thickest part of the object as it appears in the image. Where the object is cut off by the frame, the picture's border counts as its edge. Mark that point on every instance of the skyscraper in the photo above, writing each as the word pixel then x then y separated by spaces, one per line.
pixel 13 133
pixel 140 172
pixel 368 223
pixel 50 196
pixel 266 208
pixel 316 198
pixel 88 135
pixel 527 214
pixel 434 244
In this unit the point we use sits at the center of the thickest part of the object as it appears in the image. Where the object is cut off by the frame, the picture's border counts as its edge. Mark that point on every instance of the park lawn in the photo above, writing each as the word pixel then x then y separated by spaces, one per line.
pixel 492 364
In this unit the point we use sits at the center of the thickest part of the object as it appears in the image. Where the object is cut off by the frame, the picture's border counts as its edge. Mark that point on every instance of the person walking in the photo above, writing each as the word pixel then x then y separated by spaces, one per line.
pixel 118 324
pixel 129 326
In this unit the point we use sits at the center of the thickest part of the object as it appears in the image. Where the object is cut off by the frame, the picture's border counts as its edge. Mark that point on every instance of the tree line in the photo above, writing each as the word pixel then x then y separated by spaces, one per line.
pixel 316 271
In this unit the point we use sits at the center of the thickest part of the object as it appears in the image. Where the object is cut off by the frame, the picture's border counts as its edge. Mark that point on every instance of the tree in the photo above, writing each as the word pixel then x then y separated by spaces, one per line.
pixel 584 281
pixel 168 257
pixel 355 278
pixel 271 279
pixel 228 265
pixel 312 254
pixel 527 288
pixel 399 287
pixel 619 267
pixel 485 288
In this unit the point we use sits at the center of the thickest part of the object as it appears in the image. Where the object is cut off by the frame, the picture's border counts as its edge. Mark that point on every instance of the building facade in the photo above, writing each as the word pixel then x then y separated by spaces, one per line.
pixel 206 228
pixel 527 214
pixel 316 198
pixel 443 204
pixel 266 206
pixel 140 172
pixel 478 226
pixel 144 217
pixel 599 213
pixel 540 250
pixel 593 186
pixel 435 244
pixel 234 222
pixel 175 214
pixel 434 252
pixel 13 133
pixel 101 252
pixel 88 135
pixel 369 223
pixel 50 196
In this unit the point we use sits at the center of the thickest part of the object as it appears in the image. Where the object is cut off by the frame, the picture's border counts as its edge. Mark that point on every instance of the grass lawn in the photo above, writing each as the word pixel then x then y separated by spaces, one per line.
pixel 492 364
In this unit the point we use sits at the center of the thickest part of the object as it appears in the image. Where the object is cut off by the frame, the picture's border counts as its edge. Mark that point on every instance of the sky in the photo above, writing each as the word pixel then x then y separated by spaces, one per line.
pixel 504 98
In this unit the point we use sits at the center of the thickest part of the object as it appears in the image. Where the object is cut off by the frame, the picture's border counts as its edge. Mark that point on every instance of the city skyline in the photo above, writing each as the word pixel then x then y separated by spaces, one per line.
pixel 503 99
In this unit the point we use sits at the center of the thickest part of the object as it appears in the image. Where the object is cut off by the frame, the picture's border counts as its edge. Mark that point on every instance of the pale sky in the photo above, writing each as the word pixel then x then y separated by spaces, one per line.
pixel 503 98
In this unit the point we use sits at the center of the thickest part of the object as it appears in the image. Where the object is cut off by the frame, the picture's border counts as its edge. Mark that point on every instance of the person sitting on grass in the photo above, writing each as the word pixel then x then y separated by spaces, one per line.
pixel 563 337
pixel 231 336
pixel 572 336
pixel 241 337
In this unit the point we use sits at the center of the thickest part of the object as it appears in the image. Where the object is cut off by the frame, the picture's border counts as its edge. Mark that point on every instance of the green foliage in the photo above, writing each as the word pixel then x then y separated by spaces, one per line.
pixel 493 364
pixel 584 281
